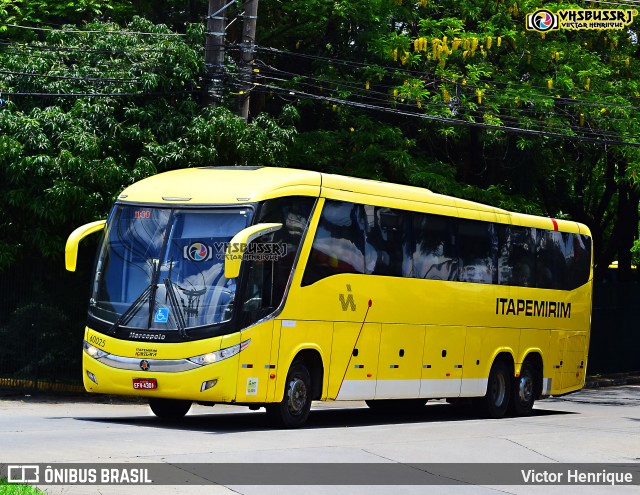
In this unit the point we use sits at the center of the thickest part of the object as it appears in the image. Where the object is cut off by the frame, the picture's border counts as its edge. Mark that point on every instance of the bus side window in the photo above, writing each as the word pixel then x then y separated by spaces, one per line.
pixel 517 256
pixel 581 263
pixel 338 246
pixel 478 250
pixel 268 273
pixel 434 253
pixel 388 236
pixel 550 260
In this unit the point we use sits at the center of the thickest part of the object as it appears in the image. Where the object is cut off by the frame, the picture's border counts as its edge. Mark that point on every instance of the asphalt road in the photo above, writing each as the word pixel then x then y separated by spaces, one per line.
pixel 591 426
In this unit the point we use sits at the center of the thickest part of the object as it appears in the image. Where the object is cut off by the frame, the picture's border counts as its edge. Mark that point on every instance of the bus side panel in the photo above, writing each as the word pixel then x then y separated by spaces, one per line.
pixel 443 361
pixel 569 361
pixel 227 380
pixel 253 365
pixel 273 361
pixel 483 345
pixel 297 336
pixel 533 341
pixel 557 349
pixel 474 371
pixel 357 362
pixel 574 367
pixel 400 361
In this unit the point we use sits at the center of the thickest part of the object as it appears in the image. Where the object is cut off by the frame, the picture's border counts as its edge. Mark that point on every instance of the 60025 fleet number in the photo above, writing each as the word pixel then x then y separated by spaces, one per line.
pixel 97 341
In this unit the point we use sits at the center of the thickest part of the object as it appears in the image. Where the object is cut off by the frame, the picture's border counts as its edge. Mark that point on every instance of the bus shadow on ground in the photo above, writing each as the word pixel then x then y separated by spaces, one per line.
pixel 319 418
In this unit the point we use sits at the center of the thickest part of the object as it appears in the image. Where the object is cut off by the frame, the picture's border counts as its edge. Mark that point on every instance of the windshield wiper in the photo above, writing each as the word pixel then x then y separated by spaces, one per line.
pixel 175 307
pixel 131 310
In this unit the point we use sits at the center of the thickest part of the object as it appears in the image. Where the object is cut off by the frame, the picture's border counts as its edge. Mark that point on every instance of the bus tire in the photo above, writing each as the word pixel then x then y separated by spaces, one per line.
pixel 293 410
pixel 495 403
pixel 524 391
pixel 170 409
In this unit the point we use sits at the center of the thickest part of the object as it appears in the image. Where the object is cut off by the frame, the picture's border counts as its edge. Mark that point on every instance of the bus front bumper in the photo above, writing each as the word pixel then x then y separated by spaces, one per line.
pixel 211 383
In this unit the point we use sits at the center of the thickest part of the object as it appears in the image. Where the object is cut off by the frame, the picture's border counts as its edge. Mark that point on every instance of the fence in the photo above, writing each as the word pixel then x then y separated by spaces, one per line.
pixel 615 333
pixel 42 317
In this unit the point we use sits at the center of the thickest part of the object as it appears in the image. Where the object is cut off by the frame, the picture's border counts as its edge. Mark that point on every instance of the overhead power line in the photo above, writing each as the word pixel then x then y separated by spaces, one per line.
pixel 58 48
pixel 370 93
pixel 505 114
pixel 603 139
pixel 99 95
pixel 396 71
pixel 72 78
pixel 88 31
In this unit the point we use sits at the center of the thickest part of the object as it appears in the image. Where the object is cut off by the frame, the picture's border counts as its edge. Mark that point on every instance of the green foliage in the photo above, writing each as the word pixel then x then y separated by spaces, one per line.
pixel 474 63
pixel 41 10
pixel 64 159
pixel 13 489
pixel 635 252
pixel 425 67
pixel 173 12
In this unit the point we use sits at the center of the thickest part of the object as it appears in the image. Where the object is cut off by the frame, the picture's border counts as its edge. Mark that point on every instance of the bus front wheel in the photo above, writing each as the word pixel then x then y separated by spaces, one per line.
pixel 293 410
pixel 171 409
pixel 496 401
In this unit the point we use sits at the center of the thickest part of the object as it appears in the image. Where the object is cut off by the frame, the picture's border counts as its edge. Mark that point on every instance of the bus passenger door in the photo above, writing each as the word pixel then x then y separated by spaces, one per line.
pixel 442 361
pixel 354 365
pixel 400 361
pixel 253 366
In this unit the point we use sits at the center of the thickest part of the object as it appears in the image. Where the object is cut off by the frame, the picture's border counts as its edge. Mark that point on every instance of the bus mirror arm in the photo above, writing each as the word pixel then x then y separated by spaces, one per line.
pixel 235 250
pixel 71 248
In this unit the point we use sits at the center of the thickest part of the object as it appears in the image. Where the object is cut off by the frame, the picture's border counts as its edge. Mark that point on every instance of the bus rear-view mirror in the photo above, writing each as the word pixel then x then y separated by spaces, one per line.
pixel 236 248
pixel 71 248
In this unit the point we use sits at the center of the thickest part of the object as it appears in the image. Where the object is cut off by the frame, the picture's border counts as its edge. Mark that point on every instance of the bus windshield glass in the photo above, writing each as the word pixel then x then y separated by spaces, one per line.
pixel 163 269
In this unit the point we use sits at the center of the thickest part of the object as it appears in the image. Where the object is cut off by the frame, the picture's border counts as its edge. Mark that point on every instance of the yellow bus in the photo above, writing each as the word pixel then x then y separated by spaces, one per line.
pixel 272 287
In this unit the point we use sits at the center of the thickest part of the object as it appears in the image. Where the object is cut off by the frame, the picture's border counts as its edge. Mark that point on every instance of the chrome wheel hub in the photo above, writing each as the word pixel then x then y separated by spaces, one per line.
pixel 297 396
pixel 525 389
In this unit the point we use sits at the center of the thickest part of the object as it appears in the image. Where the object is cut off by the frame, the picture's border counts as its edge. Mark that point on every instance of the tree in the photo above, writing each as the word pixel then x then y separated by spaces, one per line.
pixel 65 157
pixel 543 123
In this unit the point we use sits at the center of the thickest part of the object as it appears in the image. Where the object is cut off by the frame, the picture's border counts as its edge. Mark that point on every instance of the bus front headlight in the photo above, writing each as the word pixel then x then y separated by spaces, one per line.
pixel 222 354
pixel 93 351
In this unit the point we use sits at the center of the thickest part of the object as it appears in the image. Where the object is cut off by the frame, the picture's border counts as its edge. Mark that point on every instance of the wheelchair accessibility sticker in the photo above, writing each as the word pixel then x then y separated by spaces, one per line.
pixel 161 316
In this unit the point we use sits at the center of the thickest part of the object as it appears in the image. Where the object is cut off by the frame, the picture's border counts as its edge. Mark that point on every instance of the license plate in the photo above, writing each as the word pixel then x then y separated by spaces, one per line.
pixel 145 383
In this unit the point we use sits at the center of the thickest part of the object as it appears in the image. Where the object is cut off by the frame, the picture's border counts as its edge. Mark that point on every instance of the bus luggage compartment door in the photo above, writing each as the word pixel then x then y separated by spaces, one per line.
pixel 444 348
pixel 400 362
pixel 354 365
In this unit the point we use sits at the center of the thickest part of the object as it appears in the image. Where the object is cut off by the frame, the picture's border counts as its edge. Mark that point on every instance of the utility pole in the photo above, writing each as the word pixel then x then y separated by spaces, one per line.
pixel 247 47
pixel 214 50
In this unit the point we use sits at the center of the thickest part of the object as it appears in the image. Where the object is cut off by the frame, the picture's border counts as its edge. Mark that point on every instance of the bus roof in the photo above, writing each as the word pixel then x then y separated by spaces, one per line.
pixel 222 185
pixel 241 185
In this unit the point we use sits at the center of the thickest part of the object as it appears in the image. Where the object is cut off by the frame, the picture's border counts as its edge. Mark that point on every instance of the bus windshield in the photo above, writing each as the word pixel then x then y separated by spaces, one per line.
pixel 162 269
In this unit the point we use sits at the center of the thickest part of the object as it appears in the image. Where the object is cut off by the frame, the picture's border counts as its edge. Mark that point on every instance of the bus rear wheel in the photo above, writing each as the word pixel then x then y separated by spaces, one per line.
pixel 171 409
pixel 524 391
pixel 495 403
pixel 293 410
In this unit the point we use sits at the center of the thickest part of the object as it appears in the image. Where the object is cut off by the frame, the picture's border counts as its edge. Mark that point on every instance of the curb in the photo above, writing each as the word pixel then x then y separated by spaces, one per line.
pixel 612 380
